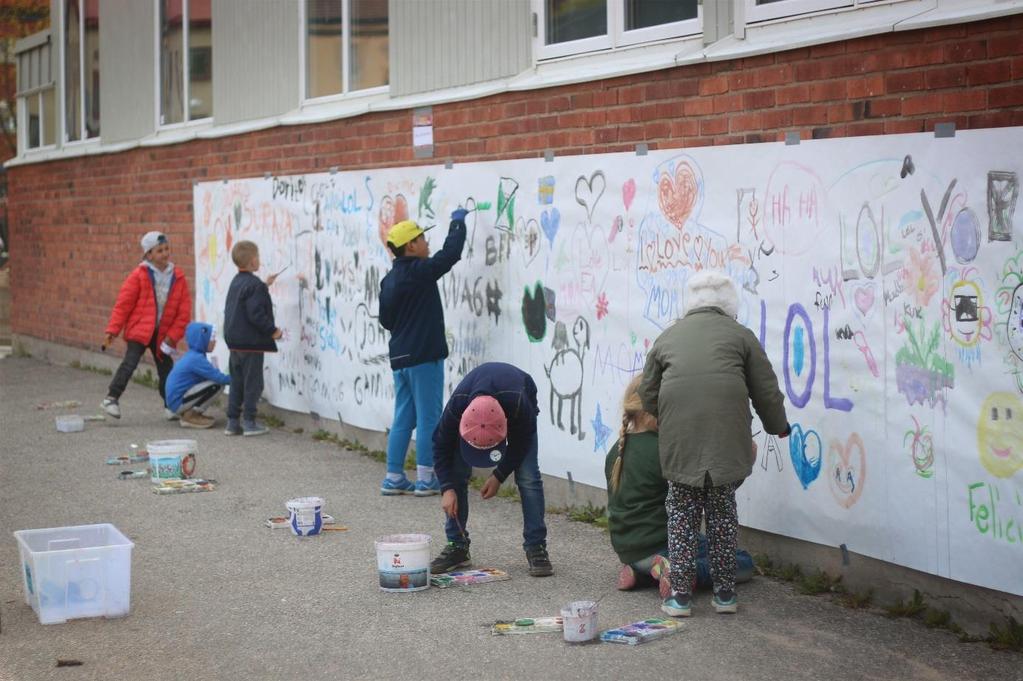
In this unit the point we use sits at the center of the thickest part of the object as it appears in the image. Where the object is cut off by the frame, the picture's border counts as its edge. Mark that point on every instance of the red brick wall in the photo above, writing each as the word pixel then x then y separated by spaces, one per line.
pixel 75 224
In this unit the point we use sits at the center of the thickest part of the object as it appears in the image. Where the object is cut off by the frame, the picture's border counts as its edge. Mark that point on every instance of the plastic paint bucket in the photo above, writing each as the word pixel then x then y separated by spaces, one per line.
pixel 306 517
pixel 171 459
pixel 580 619
pixel 403 561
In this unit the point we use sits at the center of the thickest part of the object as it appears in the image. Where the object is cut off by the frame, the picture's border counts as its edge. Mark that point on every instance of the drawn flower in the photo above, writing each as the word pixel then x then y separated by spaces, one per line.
pixel 601 306
pixel 921 282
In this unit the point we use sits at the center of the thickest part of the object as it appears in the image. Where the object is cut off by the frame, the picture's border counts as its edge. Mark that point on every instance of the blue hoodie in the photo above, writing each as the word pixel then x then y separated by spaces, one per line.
pixel 193 367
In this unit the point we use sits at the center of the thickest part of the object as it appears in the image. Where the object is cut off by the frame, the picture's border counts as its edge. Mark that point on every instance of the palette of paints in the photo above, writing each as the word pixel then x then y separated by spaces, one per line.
pixel 528 625
pixel 284 522
pixel 184 486
pixel 468 577
pixel 642 631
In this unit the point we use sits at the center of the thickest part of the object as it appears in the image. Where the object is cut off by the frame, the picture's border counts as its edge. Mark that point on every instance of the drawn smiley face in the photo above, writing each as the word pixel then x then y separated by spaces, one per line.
pixel 1000 434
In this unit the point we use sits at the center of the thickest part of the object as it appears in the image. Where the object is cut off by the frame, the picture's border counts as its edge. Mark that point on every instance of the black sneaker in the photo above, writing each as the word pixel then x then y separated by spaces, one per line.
pixel 453 556
pixel 539 561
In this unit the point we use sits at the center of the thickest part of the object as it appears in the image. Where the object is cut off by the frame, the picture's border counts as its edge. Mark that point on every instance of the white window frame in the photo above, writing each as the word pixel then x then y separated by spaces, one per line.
pixel 786 9
pixel 616 35
pixel 23 121
pixel 346 34
pixel 83 137
pixel 186 95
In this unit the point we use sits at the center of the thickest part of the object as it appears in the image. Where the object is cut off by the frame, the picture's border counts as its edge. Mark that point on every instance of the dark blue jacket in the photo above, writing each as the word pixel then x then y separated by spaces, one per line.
pixel 410 305
pixel 514 390
pixel 249 315
pixel 193 367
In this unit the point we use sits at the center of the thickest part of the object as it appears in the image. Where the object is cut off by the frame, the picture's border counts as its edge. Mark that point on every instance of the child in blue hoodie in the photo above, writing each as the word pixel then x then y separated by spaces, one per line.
pixel 194 381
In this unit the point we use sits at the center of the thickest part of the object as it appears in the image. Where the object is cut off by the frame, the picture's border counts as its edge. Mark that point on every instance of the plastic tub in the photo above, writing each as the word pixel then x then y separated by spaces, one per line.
pixel 403 562
pixel 171 459
pixel 70 423
pixel 580 619
pixel 306 517
pixel 74 572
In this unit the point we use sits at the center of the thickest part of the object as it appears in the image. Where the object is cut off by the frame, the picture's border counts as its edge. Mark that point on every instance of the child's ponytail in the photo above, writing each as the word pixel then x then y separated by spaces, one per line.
pixel 616 470
pixel 632 409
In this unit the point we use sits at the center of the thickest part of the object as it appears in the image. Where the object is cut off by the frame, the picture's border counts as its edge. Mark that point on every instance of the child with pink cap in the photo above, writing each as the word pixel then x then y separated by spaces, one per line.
pixel 490 422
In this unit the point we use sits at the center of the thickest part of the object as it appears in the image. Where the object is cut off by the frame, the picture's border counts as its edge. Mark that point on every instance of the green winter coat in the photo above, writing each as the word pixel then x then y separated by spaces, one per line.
pixel 700 377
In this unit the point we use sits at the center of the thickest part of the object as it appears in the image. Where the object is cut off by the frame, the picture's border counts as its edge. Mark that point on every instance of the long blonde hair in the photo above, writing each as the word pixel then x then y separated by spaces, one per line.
pixel 634 419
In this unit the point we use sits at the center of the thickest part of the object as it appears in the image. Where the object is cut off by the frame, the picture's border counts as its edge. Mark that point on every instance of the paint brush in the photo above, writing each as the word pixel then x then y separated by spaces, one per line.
pixel 283 269
pixel 461 530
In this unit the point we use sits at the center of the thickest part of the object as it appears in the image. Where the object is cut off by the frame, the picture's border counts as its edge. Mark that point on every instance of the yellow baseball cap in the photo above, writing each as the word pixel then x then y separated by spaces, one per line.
pixel 404 232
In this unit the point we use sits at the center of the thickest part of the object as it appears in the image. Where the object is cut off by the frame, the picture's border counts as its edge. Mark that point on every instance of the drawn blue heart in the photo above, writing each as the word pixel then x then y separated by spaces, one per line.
pixel 550 220
pixel 806 455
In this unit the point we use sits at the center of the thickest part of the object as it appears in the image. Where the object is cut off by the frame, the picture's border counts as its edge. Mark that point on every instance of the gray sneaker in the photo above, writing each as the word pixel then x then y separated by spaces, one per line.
pixel 111 407
pixel 251 428
pixel 233 427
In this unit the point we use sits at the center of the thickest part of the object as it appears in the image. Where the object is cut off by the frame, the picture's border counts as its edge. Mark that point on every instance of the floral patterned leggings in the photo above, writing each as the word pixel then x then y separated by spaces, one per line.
pixel 686 509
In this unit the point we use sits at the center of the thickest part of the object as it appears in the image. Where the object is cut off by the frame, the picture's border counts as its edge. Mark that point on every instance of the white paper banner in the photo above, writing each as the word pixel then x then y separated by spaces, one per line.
pixel 880 274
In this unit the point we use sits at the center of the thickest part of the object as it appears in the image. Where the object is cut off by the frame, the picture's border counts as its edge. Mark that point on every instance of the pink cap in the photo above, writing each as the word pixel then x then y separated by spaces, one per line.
pixel 483 424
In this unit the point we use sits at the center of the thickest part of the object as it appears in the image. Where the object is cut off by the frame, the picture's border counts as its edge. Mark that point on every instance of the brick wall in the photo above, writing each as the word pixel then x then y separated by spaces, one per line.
pixel 75 224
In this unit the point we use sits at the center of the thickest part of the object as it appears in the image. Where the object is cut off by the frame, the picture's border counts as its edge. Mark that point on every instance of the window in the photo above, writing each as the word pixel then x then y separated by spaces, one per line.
pixel 763 10
pixel 40 118
pixel 574 26
pixel 81 69
pixel 346 46
pixel 186 60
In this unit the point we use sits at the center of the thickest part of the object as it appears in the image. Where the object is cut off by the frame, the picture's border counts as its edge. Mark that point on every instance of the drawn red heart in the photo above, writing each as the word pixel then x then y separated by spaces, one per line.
pixel 678 195
pixel 846 474
pixel 864 299
pixel 628 192
pixel 392 211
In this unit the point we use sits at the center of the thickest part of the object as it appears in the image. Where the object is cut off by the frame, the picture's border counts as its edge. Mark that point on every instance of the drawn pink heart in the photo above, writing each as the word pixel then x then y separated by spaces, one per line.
pixel 677 195
pixel 628 192
pixel 846 474
pixel 864 299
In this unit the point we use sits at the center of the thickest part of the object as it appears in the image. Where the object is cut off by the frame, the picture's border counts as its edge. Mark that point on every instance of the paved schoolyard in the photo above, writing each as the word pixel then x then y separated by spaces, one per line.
pixel 215 595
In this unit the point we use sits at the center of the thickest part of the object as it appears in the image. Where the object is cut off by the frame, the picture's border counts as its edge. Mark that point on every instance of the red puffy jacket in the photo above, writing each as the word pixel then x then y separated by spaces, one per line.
pixel 135 309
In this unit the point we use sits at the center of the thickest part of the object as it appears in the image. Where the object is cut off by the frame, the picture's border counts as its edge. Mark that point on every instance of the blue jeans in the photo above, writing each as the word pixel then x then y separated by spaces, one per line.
pixel 418 401
pixel 527 477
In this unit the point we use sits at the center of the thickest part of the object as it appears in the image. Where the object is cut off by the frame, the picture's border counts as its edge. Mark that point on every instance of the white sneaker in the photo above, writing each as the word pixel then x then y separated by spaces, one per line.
pixel 169 415
pixel 111 407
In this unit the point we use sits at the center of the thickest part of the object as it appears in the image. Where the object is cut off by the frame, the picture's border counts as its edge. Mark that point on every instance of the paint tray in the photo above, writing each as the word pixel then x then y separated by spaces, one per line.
pixel 468 577
pixel 183 486
pixel 528 625
pixel 642 631
pixel 284 522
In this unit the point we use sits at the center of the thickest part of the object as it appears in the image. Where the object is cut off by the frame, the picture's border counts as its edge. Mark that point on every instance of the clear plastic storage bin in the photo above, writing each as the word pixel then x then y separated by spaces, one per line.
pixel 74 572
pixel 70 423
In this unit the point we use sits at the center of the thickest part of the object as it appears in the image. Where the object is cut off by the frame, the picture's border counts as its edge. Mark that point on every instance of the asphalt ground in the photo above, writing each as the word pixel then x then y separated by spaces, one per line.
pixel 216 595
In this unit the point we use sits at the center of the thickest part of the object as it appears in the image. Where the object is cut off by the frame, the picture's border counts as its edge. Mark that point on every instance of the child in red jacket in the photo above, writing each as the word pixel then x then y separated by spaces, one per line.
pixel 153 308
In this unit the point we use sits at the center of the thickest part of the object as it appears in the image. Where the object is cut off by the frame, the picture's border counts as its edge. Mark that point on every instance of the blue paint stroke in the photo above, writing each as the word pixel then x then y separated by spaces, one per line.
pixel 801 399
pixel 805 469
pixel 600 432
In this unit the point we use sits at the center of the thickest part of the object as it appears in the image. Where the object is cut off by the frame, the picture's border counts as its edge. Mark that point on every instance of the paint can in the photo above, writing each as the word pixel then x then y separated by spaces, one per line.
pixel 306 516
pixel 580 621
pixel 171 459
pixel 403 562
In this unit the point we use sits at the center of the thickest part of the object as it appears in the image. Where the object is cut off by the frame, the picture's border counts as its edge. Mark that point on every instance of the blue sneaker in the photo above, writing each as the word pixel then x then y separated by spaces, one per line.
pixel 427 489
pixel 679 605
pixel 725 602
pixel 403 486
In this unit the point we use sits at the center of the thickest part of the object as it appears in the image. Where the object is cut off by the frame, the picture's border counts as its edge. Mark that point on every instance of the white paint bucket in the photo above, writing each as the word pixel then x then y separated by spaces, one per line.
pixel 171 459
pixel 403 561
pixel 580 619
pixel 306 517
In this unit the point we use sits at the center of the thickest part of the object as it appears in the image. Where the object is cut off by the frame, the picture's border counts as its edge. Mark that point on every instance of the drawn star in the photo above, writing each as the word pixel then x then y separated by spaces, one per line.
pixel 600 432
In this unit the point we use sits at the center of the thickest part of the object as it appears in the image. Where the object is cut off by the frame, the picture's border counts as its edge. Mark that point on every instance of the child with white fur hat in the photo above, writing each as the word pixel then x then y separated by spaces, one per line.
pixel 700 377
